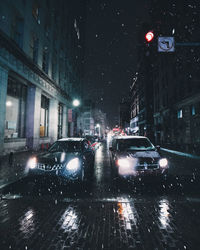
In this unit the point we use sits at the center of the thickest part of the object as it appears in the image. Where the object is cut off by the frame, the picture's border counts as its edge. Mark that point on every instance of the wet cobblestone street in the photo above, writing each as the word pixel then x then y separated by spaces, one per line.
pixel 101 216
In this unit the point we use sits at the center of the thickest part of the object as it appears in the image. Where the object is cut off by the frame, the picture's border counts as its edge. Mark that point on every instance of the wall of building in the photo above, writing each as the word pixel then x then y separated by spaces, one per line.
pixel 173 78
pixel 40 70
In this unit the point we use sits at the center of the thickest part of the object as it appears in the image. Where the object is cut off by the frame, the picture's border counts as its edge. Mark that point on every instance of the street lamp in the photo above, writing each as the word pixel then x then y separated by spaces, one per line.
pixel 76 103
pixel 98 126
pixel 75 110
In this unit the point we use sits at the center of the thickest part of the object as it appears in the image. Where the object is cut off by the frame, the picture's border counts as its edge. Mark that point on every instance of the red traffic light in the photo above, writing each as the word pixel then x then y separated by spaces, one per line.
pixel 149 36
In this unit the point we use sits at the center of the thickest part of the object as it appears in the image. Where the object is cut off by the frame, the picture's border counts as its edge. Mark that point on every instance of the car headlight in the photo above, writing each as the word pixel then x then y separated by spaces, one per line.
pixel 32 163
pixel 73 164
pixel 163 162
pixel 123 163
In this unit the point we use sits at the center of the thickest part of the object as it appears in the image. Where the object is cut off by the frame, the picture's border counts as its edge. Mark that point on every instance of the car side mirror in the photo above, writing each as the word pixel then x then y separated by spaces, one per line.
pixel 158 148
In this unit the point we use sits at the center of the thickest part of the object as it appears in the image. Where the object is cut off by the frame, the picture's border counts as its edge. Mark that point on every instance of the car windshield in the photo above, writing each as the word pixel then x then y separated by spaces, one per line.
pixel 134 144
pixel 65 146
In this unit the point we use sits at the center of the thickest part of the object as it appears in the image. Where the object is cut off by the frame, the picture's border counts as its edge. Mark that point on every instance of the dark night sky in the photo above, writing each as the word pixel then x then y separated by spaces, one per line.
pixel 111 51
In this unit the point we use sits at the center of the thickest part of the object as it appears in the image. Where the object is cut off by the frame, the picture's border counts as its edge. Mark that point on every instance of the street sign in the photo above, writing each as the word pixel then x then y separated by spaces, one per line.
pixel 166 44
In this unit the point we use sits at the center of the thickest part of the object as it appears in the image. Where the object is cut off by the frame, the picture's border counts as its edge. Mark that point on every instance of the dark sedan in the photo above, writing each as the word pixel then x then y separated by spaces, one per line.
pixel 136 156
pixel 68 159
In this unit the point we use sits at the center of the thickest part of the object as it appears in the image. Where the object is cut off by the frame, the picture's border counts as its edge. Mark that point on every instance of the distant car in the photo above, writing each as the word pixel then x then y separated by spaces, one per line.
pixel 94 140
pixel 136 156
pixel 68 159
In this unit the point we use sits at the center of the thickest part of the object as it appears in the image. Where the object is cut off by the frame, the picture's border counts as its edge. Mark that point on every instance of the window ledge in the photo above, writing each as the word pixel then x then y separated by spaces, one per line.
pixel 14 139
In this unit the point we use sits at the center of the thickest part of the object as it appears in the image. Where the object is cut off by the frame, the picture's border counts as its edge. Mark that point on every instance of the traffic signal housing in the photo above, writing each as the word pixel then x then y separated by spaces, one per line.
pixel 149 36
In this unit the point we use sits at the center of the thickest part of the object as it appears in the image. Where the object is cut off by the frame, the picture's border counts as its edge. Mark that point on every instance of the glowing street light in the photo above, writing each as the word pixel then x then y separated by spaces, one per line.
pixel 76 102
pixel 8 103
pixel 98 129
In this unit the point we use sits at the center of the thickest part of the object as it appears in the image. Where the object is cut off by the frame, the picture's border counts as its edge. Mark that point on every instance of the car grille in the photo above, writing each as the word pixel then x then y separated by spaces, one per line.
pixel 49 167
pixel 147 164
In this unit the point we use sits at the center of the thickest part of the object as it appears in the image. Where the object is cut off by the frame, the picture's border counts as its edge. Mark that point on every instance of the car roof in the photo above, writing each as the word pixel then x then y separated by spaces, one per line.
pixel 72 139
pixel 131 137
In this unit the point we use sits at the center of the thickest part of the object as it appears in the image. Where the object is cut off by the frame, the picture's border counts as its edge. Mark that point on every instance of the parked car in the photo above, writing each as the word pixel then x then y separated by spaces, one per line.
pixel 68 159
pixel 136 156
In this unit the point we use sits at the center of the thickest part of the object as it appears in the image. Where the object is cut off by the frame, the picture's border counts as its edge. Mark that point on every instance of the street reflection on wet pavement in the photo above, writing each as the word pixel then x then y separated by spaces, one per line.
pixel 105 213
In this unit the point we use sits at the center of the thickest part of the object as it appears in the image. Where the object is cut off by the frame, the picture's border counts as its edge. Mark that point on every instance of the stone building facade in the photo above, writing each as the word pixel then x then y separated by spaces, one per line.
pixel 176 76
pixel 166 87
pixel 41 70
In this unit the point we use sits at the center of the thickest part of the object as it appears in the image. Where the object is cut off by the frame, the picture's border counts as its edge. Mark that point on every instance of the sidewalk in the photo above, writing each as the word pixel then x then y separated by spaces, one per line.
pixel 13 169
pixel 187 155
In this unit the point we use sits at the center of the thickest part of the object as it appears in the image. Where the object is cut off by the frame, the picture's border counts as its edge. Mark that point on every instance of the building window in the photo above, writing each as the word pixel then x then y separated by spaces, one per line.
pixel 61 73
pixel 15 110
pixel 193 110
pixel 45 60
pixel 35 12
pixel 54 65
pixel 34 43
pixel 87 126
pixel 60 120
pixel 18 30
pixel 87 115
pixel 180 114
pixel 47 29
pixel 44 116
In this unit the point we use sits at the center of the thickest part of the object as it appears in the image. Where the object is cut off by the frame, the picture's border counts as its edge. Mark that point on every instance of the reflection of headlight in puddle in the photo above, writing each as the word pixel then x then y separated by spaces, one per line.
pixel 164 215
pixel 73 164
pixel 163 162
pixel 32 163
pixel 27 223
pixel 70 219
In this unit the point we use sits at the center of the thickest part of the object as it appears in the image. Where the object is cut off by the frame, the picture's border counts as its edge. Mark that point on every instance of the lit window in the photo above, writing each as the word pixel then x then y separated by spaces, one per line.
pixel 35 12
pixel 44 116
pixel 180 114
pixel 193 110
pixel 76 29
pixel 15 109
